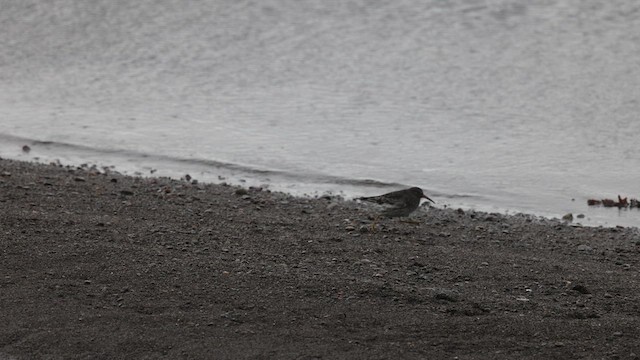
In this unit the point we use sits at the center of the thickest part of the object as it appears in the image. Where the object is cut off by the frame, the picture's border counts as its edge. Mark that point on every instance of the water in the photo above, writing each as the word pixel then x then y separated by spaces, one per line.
pixel 492 105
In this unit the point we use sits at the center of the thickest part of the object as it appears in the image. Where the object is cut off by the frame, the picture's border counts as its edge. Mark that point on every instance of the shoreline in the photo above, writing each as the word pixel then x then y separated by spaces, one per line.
pixel 303 186
pixel 107 265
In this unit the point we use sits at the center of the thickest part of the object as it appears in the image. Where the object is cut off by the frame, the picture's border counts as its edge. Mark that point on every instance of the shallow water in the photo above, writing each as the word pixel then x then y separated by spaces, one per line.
pixel 494 105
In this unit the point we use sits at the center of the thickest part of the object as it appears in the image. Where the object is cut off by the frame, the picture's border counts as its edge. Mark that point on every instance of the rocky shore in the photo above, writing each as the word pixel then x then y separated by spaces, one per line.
pixel 94 264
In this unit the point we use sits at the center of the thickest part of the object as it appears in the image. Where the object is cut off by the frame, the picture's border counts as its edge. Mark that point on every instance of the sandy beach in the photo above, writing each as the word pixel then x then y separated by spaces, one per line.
pixel 97 265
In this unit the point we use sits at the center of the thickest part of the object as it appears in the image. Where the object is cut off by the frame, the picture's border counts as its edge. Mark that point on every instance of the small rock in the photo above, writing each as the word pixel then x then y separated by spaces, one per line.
pixel 364 229
pixel 568 217
pixel 79 179
pixel 187 177
pixel 241 191
pixel 126 192
pixel 581 289
pixel 246 197
pixel 349 228
pixel 87 282
pixel 114 180
pixel 5 174
pixel 26 148
pixel 584 247
pixel 580 216
pixel 447 295
pixel 332 206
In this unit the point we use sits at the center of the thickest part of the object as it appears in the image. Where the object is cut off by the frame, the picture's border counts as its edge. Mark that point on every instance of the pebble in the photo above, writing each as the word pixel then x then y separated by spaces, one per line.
pixel 584 247
pixel 332 206
pixel 26 148
pixel 568 217
pixel 581 289
pixel 447 295
pixel 241 191
pixel 79 179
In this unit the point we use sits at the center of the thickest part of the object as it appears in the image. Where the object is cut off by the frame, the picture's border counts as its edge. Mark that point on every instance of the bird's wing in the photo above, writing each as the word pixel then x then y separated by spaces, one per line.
pixel 395 198
pixel 373 199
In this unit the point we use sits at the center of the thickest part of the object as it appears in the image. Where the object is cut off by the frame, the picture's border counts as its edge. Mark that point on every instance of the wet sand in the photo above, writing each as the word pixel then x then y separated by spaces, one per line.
pixel 100 265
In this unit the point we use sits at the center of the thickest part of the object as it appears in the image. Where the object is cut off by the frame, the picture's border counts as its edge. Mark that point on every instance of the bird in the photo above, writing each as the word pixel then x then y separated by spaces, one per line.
pixel 399 203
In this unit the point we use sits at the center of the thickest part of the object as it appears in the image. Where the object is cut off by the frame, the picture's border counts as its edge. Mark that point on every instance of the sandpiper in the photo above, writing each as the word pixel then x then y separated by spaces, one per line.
pixel 398 203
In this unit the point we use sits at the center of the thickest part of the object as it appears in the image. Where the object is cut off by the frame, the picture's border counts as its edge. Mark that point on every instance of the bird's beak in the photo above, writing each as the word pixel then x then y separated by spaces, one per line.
pixel 426 197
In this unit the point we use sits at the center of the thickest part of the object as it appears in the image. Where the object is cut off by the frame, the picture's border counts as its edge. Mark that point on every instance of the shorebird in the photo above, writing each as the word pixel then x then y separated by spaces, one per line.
pixel 398 203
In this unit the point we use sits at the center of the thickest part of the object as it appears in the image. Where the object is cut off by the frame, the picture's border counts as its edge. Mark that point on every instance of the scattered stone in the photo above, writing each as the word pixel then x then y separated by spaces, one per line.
pixel 79 179
pixel 241 191
pixel 363 261
pixel 349 228
pixel 26 149
pixel 580 216
pixel 584 247
pixel 568 217
pixel 447 295
pixel 126 192
pixel 5 174
pixel 581 289
pixel 364 229
pixel 187 177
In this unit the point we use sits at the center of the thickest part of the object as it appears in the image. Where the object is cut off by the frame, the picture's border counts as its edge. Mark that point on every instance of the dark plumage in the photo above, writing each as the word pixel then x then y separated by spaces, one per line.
pixel 398 203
